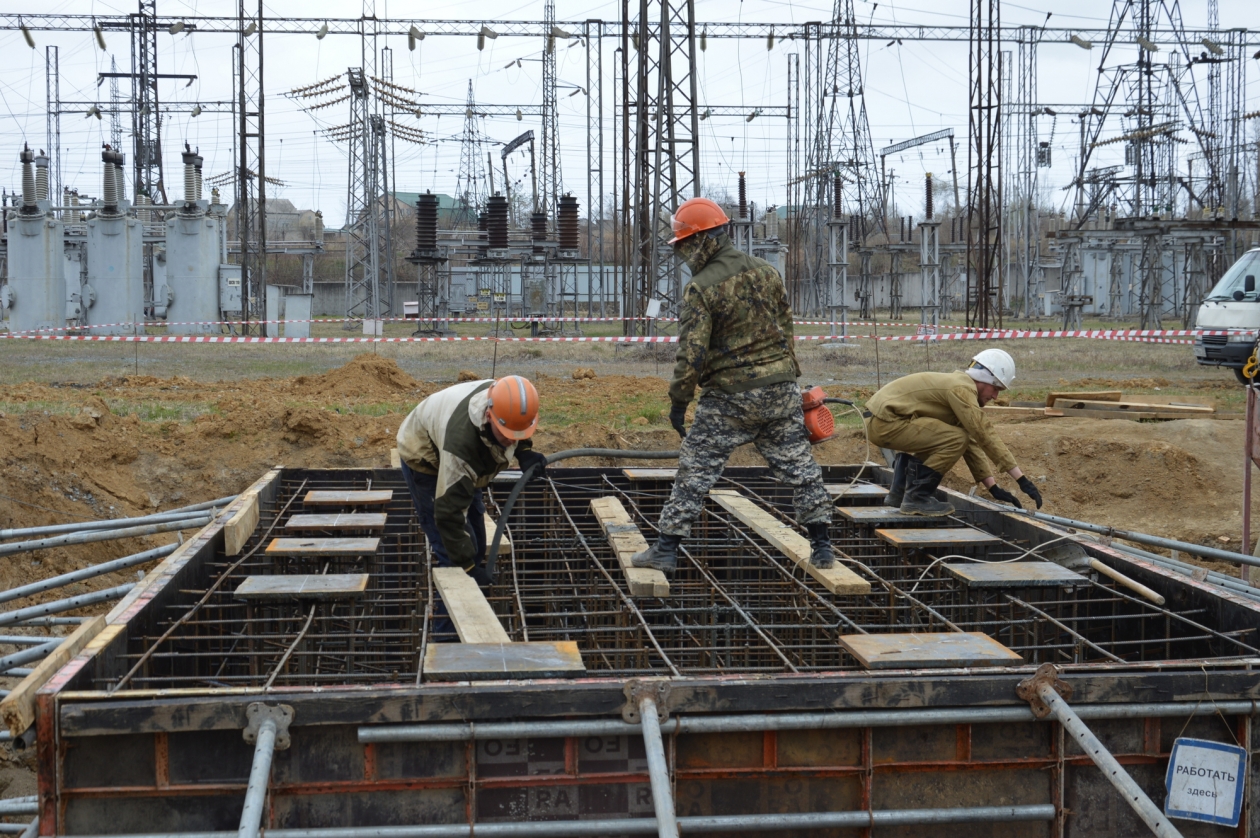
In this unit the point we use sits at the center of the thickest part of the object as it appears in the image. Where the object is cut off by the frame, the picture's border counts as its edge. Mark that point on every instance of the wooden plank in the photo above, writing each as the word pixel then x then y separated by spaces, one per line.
pixel 394 460
pixel 18 707
pixel 499 661
pixel 858 491
pixel 505 542
pixel 872 516
pixel 1015 410
pixel 937 537
pixel 322 546
pixel 1134 407
pixel 338 521
pixel 474 619
pixel 304 586
pixel 1083 413
pixel 323 497
pixel 1098 396
pixel 626 540
pixel 650 473
pixel 241 526
pixel 1015 575
pixel 838 579
pixel 914 650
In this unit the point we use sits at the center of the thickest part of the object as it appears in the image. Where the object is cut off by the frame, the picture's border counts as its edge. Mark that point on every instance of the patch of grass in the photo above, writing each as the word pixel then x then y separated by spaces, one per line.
pixel 376 409
pixel 45 407
pixel 162 411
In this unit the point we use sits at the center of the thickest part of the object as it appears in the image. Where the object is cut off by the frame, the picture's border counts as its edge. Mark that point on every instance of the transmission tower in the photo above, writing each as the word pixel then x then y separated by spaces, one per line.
pixel 251 170
pixel 146 119
pixel 665 140
pixel 984 167
pixel 553 184
pixel 1151 97
pixel 471 190
pixel 115 107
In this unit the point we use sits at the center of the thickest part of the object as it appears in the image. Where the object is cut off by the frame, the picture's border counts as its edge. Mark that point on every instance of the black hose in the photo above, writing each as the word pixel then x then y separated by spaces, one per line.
pixel 838 401
pixel 506 509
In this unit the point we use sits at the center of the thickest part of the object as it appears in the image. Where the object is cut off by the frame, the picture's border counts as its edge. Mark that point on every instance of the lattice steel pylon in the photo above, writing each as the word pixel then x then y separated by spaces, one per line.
pixel 251 168
pixel 552 182
pixel 471 190
pixel 146 118
pixel 1151 98
pixel 841 143
pixel 984 167
pixel 665 144
pixel 369 263
pixel 116 105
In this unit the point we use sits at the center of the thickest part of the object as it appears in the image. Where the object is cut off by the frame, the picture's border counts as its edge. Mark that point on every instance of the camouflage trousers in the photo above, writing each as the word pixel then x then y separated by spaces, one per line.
pixel 770 417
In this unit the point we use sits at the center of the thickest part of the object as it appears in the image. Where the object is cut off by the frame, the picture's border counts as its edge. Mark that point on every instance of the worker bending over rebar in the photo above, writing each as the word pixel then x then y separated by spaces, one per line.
pixel 451 446
pixel 931 419
pixel 735 342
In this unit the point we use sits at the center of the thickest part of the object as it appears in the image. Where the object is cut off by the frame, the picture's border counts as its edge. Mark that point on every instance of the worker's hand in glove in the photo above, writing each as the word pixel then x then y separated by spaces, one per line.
pixel 1026 486
pixel 1004 496
pixel 531 457
pixel 479 575
pixel 678 415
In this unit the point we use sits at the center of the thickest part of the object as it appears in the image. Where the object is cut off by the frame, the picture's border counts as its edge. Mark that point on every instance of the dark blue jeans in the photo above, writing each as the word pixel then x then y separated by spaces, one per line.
pixel 423 488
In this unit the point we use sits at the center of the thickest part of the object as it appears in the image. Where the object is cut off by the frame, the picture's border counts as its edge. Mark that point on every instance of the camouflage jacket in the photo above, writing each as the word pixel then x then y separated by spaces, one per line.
pixel 735 329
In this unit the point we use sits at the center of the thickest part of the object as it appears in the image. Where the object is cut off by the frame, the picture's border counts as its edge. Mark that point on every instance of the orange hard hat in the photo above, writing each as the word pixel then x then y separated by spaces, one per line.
pixel 513 407
pixel 696 215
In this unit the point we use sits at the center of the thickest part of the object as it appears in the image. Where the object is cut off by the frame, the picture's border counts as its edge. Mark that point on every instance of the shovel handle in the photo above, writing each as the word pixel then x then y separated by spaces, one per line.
pixel 1131 584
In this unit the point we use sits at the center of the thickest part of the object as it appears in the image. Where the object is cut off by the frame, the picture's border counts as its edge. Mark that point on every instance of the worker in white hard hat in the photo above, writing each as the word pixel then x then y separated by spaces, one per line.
pixel 931 419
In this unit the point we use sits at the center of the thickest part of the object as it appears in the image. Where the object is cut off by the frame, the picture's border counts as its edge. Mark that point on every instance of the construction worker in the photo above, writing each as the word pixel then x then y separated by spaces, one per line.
pixel 933 418
pixel 451 446
pixel 735 342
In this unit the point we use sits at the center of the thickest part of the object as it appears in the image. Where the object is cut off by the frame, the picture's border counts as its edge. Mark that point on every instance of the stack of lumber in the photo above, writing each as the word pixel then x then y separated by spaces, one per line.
pixel 1111 404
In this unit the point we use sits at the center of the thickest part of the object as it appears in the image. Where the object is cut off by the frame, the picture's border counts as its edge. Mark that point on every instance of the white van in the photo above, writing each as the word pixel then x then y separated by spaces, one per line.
pixel 1234 305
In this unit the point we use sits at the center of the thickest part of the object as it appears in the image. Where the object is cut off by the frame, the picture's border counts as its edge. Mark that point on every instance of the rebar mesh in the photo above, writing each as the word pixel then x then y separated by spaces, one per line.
pixel 736 604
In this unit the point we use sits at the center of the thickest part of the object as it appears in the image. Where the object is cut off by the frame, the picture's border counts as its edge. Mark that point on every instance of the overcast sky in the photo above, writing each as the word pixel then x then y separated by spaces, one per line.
pixel 911 89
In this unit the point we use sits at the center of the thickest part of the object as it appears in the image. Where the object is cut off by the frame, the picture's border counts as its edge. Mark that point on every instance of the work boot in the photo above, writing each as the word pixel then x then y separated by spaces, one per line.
pixel 921 483
pixel 662 556
pixel 821 555
pixel 898 488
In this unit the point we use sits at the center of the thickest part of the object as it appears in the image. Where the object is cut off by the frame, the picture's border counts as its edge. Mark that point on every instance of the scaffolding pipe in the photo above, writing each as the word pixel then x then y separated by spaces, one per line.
pixel 1143 538
pixel 92 536
pixel 259 779
pixel 27 655
pixel 1186 569
pixel 115 523
pixel 87 573
pixel 527 475
pixel 745 723
pixel 646 826
pixel 28 805
pixel 8 618
pixel 658 769
pixel 1115 773
pixel 26 639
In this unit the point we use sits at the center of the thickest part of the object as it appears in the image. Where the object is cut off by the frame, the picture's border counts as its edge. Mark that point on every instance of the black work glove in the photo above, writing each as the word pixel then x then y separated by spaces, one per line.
pixel 530 457
pixel 678 415
pixel 1026 486
pixel 480 576
pixel 1004 496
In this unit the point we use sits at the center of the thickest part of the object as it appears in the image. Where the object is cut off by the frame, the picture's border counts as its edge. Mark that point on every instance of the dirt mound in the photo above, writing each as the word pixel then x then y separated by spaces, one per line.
pixel 367 376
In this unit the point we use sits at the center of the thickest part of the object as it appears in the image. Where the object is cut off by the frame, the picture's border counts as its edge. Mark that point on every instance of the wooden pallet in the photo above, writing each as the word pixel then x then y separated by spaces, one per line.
pixel 304 586
pixel 341 521
pixel 322 546
pixel 921 538
pixel 318 497
pixel 928 650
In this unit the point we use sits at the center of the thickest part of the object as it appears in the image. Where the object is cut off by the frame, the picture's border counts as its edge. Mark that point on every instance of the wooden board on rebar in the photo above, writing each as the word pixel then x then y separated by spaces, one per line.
pixel 337 521
pixel 650 473
pixel 856 492
pixel 875 515
pixel 923 650
pixel 318 497
pixel 322 546
pixel 304 586
pixel 1015 575
pixel 937 537
pixel 838 579
pixel 625 539
pixel 470 611
pixel 495 661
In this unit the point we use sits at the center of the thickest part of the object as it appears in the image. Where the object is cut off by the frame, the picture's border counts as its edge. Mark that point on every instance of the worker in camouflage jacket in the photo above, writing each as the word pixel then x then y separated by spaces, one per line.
pixel 735 343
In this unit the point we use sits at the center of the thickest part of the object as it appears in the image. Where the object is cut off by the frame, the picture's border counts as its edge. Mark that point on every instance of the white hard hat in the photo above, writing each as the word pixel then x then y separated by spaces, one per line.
pixel 999 363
